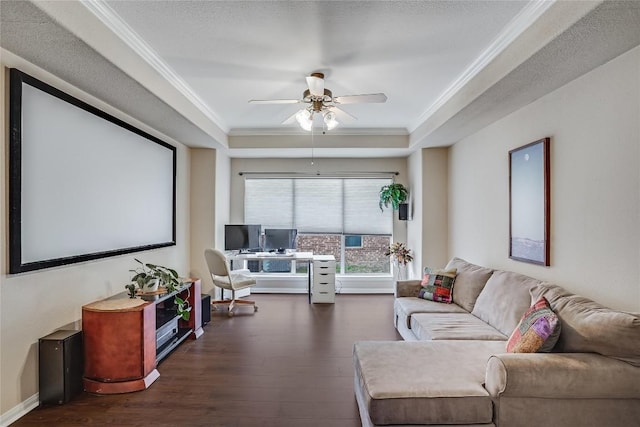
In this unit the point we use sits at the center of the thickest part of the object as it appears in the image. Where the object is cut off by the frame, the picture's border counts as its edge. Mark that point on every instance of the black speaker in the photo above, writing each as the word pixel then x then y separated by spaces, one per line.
pixel 206 309
pixel 403 212
pixel 61 365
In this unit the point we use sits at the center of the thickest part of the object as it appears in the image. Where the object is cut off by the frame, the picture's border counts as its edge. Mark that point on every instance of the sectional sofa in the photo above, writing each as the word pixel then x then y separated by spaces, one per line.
pixel 453 367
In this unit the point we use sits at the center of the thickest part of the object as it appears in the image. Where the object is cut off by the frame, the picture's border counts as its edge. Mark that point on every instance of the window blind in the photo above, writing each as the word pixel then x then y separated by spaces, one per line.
pixel 318 205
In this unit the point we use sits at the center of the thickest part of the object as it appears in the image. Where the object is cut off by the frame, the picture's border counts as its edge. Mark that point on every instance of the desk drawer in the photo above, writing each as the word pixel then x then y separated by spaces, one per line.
pixel 324 277
pixel 324 288
pixel 323 298
pixel 324 266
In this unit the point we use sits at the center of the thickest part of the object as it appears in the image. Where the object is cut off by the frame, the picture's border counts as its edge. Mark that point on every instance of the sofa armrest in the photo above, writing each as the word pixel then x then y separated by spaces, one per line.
pixel 561 375
pixel 408 288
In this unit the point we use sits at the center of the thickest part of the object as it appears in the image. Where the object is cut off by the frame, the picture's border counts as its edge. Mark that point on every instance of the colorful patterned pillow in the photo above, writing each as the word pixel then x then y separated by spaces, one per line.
pixel 437 285
pixel 538 330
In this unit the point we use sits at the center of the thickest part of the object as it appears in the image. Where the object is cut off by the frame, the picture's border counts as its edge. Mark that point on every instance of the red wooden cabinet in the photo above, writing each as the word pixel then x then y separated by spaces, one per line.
pixel 124 338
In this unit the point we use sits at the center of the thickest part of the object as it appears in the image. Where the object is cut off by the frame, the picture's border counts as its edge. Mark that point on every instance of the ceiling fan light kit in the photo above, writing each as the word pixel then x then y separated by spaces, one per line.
pixel 304 118
pixel 330 120
pixel 323 102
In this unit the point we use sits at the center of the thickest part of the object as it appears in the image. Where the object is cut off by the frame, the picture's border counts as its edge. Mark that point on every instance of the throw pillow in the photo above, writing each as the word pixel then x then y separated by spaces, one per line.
pixel 437 285
pixel 538 330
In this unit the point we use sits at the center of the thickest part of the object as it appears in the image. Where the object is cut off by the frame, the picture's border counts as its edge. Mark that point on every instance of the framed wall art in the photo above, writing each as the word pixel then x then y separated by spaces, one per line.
pixel 529 203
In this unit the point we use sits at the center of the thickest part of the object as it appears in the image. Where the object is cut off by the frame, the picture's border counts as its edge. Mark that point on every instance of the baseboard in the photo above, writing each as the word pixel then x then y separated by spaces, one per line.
pixel 278 290
pixel 364 291
pixel 20 410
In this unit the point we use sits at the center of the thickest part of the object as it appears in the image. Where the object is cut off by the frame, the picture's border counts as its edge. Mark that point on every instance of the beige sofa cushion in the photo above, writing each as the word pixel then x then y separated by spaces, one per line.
pixel 561 376
pixel 470 281
pixel 453 326
pixel 504 300
pixel 405 307
pixel 414 382
pixel 588 327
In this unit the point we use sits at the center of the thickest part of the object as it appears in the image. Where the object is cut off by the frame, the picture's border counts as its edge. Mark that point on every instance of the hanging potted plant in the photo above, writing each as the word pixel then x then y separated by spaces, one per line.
pixel 393 194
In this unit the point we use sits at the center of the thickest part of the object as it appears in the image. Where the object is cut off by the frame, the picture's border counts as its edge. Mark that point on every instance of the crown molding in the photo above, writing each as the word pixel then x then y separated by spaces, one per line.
pixel 120 28
pixel 523 20
pixel 337 132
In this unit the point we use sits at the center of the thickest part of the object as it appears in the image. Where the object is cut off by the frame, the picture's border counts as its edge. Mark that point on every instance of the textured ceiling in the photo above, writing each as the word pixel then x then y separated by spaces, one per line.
pixel 230 52
pixel 188 68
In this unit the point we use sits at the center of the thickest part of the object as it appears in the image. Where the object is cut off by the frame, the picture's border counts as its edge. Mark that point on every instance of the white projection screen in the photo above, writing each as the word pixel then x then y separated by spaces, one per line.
pixel 82 184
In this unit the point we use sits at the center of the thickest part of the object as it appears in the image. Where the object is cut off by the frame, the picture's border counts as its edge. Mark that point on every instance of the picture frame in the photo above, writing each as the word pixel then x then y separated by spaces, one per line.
pixel 529 204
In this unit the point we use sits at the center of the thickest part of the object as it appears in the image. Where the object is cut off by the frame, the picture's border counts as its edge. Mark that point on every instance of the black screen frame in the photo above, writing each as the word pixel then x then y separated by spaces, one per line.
pixel 16 265
pixel 280 235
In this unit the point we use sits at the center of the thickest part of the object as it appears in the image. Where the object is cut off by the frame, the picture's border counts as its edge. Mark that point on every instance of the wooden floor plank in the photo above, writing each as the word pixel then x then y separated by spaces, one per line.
pixel 289 364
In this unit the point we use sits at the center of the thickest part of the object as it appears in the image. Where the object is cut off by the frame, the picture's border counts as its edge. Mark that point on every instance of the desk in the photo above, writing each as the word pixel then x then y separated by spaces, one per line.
pixel 306 257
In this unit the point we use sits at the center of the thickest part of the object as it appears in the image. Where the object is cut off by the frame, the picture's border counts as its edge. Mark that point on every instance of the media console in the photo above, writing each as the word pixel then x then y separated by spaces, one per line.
pixel 125 338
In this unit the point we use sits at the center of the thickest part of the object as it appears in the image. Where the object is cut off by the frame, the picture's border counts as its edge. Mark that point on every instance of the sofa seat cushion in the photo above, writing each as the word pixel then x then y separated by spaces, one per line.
pixel 453 326
pixel 438 382
pixel 406 306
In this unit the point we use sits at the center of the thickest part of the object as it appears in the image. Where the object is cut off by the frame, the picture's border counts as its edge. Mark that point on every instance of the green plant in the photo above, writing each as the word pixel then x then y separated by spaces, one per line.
pixel 392 194
pixel 131 288
pixel 147 273
pixel 167 277
pixel 183 309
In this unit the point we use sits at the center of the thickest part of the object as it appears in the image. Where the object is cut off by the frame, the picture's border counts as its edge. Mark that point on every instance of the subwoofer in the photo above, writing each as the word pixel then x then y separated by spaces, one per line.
pixel 60 366
pixel 206 309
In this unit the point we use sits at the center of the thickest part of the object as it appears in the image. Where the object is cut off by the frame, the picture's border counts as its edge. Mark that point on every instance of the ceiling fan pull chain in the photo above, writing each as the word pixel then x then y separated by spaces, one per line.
pixel 312 154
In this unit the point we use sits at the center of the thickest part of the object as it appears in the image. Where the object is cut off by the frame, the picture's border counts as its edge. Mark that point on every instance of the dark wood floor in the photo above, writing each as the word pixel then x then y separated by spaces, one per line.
pixel 289 364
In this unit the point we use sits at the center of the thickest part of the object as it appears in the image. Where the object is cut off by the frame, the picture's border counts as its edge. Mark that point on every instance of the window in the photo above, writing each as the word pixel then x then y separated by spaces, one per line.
pixel 330 215
pixel 352 241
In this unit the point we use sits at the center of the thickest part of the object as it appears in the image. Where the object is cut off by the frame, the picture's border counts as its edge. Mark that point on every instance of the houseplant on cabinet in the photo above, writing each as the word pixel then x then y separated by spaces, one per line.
pixel 149 276
pixel 393 194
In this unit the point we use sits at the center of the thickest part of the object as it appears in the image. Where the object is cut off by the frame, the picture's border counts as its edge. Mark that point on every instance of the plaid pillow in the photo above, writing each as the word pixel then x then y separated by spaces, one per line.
pixel 437 285
pixel 538 330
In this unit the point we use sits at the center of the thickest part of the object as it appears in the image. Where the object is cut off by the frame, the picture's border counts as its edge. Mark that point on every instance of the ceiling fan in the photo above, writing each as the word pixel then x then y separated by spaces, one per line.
pixel 322 101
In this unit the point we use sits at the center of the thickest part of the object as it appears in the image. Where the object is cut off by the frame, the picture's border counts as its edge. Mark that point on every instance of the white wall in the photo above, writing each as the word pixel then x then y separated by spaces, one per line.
pixel 209 207
pixel 428 232
pixel 35 304
pixel 594 125
pixel 435 231
pixel 414 226
pixel 202 211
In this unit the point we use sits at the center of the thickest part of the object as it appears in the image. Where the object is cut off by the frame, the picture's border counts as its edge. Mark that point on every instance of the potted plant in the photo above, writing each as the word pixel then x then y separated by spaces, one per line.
pixel 145 277
pixel 149 277
pixel 393 194
pixel 401 256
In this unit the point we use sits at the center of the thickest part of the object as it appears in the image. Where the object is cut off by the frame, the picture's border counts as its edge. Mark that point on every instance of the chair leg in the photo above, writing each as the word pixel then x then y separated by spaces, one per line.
pixel 233 302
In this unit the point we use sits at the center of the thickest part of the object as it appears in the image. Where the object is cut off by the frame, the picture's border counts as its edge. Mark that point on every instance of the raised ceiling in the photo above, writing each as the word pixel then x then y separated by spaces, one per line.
pixel 188 68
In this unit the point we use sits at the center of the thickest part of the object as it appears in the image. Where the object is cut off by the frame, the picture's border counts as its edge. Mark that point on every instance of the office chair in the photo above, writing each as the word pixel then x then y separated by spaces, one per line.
pixel 225 278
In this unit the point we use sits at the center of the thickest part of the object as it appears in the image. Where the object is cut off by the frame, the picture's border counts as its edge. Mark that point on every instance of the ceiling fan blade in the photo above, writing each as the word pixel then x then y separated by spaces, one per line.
pixel 341 115
pixel 316 85
pixel 290 119
pixel 274 101
pixel 356 99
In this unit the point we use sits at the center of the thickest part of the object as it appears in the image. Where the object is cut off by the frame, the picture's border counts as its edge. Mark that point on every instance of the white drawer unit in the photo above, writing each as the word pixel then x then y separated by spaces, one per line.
pixel 324 280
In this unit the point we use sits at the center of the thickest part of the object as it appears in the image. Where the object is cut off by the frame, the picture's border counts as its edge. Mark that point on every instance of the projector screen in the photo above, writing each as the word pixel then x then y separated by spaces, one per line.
pixel 82 184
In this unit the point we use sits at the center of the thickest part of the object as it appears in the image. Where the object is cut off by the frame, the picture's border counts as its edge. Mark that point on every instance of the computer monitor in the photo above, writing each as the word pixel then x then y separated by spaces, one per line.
pixel 280 238
pixel 241 237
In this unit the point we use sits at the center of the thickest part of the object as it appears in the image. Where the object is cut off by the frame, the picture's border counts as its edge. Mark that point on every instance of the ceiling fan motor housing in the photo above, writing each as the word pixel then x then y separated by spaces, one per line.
pixel 317 102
